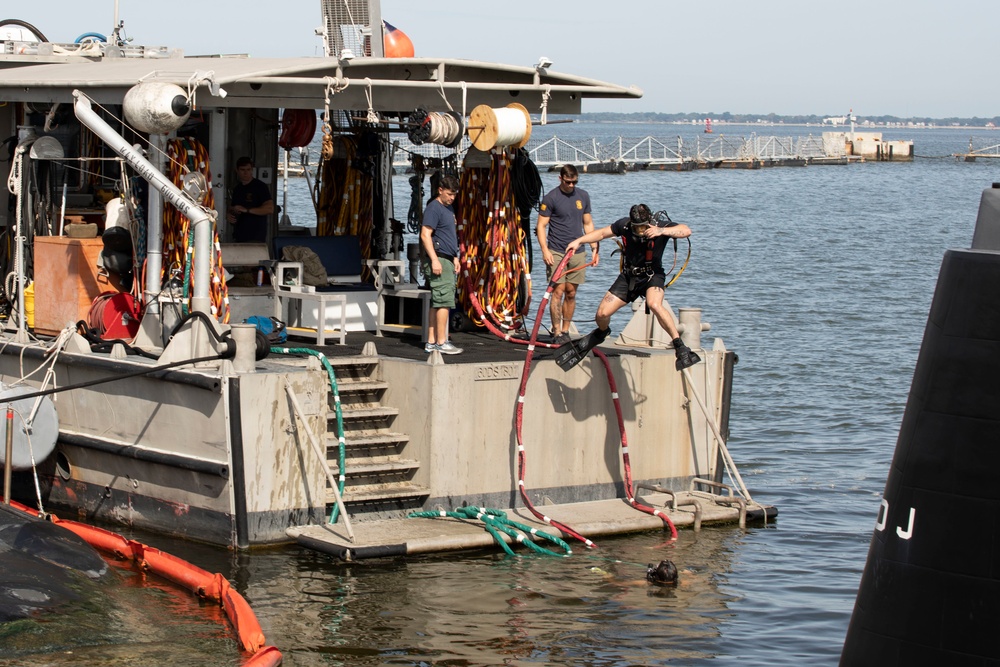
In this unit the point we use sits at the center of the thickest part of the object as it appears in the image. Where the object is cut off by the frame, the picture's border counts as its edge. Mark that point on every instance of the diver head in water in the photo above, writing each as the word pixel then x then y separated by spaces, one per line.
pixel 664 574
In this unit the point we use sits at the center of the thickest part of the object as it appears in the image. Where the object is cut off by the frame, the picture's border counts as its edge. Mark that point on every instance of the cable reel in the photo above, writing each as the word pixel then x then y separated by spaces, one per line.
pixel 442 128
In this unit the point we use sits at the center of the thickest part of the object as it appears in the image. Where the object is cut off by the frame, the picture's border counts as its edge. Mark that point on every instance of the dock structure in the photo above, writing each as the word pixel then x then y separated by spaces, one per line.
pixel 596 519
pixel 650 153
pixel 974 153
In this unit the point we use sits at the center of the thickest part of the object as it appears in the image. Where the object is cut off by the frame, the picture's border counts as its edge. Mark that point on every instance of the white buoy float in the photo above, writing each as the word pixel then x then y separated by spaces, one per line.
pixel 156 108
pixel 34 441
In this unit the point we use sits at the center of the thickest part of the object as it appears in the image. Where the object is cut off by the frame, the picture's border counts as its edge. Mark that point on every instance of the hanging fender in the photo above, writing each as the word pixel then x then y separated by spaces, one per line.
pixel 298 126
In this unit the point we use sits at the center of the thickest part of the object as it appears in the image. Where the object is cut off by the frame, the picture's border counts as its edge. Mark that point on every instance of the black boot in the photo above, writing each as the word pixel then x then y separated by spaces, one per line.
pixel 685 357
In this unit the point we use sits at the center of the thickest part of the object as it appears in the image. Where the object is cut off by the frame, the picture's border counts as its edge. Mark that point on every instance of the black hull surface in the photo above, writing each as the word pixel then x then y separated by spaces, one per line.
pixel 930 590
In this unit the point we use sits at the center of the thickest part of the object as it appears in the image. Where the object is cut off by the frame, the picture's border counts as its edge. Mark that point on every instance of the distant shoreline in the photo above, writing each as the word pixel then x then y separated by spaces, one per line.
pixel 771 120
pixel 831 128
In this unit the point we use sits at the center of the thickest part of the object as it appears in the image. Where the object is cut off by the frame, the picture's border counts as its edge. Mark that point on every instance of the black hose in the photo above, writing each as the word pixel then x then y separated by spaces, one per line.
pixel 226 339
pixel 415 214
pixel 25 24
pixel 526 182
pixel 527 185
pixel 98 344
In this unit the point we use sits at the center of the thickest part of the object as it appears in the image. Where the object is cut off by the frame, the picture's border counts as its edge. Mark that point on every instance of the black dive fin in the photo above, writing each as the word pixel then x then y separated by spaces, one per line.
pixel 573 352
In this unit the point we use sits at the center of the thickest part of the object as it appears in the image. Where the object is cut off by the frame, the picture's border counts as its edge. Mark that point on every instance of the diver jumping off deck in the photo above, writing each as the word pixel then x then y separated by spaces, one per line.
pixel 644 236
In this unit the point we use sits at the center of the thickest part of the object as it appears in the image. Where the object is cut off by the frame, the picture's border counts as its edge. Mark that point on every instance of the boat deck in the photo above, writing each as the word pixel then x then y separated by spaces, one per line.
pixel 478 346
pixel 388 537
pixel 595 519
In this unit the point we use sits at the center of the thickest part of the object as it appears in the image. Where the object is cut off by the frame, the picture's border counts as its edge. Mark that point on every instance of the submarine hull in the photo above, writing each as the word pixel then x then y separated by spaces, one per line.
pixel 930 592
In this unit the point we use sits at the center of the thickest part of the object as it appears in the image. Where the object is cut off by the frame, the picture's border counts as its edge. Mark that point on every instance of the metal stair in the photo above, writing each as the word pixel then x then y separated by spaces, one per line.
pixel 379 477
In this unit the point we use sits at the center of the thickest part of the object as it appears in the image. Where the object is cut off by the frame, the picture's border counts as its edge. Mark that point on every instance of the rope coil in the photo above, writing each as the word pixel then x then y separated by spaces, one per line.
pixel 432 127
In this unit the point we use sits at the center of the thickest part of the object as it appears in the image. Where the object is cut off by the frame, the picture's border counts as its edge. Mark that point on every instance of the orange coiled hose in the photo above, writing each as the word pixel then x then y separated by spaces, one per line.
pixel 345 205
pixel 188 155
pixel 494 242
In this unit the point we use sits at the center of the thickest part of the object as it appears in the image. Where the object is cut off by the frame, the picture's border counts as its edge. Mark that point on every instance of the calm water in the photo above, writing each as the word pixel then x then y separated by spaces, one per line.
pixel 820 278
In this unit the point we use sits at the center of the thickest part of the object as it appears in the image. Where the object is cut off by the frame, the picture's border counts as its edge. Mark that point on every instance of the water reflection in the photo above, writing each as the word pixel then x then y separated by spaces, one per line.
pixel 484 608
pixel 126 619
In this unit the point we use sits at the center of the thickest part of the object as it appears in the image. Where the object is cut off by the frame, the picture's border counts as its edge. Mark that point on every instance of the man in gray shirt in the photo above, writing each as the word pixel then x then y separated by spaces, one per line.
pixel 563 217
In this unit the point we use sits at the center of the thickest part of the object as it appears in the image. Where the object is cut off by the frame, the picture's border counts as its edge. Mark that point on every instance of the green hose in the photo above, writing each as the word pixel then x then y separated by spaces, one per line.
pixel 495 522
pixel 187 270
pixel 341 448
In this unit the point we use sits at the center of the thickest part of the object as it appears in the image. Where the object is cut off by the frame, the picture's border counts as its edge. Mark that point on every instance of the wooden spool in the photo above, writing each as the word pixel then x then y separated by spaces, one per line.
pixel 484 127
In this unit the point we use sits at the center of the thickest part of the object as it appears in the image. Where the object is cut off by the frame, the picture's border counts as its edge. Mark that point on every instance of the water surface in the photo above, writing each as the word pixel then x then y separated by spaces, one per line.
pixel 820 278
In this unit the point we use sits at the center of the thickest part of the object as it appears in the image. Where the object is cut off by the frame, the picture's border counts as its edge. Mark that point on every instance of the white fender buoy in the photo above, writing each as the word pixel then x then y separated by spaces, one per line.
pixel 36 440
pixel 115 214
pixel 46 148
pixel 156 108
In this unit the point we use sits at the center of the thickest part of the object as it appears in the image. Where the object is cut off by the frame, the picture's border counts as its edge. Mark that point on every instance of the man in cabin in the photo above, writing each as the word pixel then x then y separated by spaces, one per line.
pixel 439 239
pixel 250 206
pixel 563 216
pixel 644 237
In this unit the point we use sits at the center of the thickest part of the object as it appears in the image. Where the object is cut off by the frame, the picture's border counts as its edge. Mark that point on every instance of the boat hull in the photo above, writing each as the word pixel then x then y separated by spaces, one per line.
pixel 221 457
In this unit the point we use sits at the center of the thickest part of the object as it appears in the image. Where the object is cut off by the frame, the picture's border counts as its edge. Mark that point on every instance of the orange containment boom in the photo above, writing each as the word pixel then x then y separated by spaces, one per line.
pixel 198 581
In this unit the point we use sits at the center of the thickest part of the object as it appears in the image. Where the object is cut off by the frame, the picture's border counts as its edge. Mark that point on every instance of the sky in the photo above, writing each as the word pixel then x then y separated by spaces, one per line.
pixel 906 58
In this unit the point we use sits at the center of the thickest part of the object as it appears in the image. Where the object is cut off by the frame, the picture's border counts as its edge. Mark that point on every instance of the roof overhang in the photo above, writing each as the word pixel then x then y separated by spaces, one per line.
pixel 383 84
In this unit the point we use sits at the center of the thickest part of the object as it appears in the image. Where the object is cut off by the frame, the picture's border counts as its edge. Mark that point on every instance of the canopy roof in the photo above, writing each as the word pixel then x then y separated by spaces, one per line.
pixel 391 84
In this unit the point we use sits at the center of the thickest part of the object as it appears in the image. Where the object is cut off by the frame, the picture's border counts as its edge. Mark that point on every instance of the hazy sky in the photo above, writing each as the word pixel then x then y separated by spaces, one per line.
pixel 896 57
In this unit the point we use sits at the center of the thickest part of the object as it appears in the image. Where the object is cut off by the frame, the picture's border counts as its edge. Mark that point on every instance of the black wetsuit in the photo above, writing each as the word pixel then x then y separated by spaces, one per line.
pixel 643 262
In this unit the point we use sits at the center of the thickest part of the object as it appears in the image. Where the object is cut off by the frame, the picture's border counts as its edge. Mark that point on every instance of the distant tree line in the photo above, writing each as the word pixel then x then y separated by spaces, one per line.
pixel 728 117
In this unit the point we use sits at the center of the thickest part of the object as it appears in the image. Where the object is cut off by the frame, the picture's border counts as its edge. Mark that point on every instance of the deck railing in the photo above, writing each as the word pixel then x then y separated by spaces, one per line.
pixel 650 150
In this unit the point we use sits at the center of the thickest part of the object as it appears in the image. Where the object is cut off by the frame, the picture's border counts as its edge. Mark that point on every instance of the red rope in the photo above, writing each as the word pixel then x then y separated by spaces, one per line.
pixel 476 263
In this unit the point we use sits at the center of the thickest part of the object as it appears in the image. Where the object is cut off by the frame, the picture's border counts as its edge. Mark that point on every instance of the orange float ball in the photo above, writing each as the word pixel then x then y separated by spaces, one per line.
pixel 396 43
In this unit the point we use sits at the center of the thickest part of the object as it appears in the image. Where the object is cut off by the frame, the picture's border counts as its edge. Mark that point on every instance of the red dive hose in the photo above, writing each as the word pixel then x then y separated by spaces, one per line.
pixel 519 413
pixel 642 507
pixel 522 460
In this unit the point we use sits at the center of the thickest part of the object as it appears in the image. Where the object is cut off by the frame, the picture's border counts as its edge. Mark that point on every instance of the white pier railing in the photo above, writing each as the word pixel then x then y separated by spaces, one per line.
pixel 637 153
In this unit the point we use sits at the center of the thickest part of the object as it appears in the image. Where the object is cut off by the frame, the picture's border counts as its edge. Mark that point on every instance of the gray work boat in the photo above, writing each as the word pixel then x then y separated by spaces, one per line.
pixel 196 437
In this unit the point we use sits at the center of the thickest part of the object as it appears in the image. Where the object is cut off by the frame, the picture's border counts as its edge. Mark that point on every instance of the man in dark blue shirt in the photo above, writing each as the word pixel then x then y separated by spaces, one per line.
pixel 439 240
pixel 251 205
